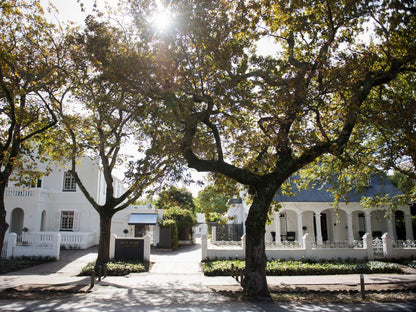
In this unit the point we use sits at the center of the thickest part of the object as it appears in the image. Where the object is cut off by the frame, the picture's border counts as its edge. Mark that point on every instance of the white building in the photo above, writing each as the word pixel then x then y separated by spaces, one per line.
pixel 55 203
pixel 312 211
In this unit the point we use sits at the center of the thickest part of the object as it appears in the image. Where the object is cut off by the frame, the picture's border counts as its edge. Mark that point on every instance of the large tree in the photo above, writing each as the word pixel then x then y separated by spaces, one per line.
pixel 259 119
pixel 111 118
pixel 32 57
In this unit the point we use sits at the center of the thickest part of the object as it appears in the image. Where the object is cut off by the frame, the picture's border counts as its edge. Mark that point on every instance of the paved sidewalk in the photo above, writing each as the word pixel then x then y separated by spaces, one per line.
pixel 175 283
pixel 180 267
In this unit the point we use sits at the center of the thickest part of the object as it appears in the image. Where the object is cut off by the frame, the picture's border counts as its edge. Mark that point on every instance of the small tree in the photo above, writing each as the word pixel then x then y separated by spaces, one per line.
pixel 213 203
pixel 184 219
pixel 32 57
pixel 111 78
pixel 174 196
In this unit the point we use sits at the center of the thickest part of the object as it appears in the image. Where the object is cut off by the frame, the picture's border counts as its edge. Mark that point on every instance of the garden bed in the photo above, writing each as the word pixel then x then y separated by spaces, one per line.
pixel 281 268
pixel 17 264
pixel 117 268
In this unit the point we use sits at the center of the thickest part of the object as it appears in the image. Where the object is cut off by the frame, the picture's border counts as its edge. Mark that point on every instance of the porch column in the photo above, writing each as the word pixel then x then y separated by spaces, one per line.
pixel 277 227
pixel 349 227
pixel 318 227
pixel 300 226
pixel 368 223
pixel 408 225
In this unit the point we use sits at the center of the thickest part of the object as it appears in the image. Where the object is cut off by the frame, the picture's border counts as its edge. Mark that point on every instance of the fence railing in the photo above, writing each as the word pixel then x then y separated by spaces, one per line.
pixel 405 243
pixel 39 240
pixel 77 240
pixel 19 192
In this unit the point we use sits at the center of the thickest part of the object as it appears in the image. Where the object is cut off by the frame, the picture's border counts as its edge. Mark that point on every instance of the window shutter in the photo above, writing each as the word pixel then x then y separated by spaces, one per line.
pixel 76 221
pixel 57 223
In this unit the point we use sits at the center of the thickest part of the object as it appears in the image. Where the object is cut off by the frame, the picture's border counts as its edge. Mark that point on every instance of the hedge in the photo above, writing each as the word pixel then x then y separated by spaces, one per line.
pixel 279 268
pixel 118 268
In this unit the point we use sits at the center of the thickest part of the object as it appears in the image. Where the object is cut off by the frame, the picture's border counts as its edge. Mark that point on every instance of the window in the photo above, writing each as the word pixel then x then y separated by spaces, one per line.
pixel 36 183
pixel 67 221
pixel 69 182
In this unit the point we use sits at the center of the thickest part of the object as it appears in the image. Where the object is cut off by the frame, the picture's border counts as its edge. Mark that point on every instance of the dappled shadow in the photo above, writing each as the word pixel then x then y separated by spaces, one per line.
pixel 183 249
pixel 68 257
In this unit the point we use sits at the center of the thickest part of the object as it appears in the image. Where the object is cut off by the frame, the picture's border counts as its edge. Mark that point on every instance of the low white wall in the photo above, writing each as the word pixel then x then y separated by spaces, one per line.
pixel 404 252
pixel 285 253
pixel 225 254
pixel 34 245
pixel 233 251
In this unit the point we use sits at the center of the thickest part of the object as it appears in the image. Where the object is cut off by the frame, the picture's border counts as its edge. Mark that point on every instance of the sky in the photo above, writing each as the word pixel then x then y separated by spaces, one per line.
pixel 70 10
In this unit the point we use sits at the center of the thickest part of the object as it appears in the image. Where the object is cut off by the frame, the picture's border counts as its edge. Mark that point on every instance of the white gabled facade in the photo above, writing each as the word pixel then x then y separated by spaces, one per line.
pixel 56 203
pixel 312 211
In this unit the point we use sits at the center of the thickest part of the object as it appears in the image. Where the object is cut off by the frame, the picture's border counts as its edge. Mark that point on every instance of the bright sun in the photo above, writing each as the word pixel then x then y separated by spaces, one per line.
pixel 161 20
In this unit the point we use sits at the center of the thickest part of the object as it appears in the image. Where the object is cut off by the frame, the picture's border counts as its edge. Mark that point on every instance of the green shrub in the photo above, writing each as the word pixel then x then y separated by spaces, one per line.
pixel 278 268
pixel 16 264
pixel 412 264
pixel 222 267
pixel 117 268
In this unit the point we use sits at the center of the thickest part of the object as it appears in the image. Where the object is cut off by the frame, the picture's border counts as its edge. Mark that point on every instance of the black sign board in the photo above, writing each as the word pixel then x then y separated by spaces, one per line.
pixel 129 249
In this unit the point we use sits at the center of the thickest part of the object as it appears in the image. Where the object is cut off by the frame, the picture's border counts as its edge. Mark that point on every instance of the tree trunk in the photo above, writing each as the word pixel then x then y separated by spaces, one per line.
pixel 255 284
pixel 3 224
pixel 105 236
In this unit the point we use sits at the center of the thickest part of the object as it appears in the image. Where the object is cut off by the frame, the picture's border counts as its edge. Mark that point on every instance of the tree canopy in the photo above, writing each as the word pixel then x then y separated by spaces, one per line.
pixel 32 72
pixel 259 119
pixel 111 118
pixel 179 197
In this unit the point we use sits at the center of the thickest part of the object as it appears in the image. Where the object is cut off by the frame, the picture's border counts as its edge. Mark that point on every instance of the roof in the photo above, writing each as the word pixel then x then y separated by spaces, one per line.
pixel 143 218
pixel 234 201
pixel 380 185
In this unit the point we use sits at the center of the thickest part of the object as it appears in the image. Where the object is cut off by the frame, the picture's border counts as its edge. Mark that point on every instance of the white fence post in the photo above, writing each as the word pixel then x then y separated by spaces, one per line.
pixel 387 245
pixel 12 239
pixel 112 245
pixel 204 247
pixel 307 245
pixel 57 245
pixel 146 251
pixel 368 246
pixel 214 234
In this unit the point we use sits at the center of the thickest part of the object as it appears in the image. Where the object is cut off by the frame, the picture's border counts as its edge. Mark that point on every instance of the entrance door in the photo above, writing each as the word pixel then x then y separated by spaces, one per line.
pixel 43 221
pixel 400 225
pixel 16 224
pixel 139 230
pixel 324 227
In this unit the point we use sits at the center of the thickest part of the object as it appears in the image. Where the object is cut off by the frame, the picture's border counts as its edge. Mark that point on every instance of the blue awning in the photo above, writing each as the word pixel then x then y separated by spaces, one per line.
pixel 143 218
